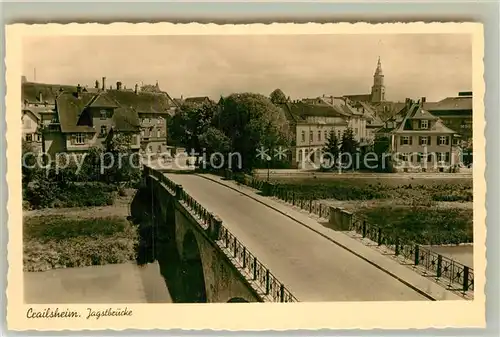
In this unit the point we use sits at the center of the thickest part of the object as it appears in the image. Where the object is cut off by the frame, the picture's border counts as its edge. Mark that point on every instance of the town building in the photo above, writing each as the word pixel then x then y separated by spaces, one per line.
pixel 311 122
pixel 75 118
pixel 85 119
pixel 456 113
pixel 419 141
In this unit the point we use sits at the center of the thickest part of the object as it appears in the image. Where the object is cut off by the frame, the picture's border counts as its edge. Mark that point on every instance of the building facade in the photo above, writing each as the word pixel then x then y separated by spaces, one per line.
pixel 419 141
pixel 456 113
pixel 75 118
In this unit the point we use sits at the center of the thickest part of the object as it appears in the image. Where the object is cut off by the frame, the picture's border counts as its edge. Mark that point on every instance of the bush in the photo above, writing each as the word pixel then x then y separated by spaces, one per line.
pixel 54 242
pixel 423 225
pixel 48 193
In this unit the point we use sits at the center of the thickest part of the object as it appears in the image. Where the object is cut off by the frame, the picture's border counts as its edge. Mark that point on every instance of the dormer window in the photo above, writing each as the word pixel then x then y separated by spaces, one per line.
pixel 104 114
pixel 424 124
pixel 80 138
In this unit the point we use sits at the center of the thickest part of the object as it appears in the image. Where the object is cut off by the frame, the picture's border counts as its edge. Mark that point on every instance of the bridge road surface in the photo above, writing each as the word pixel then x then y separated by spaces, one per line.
pixel 311 267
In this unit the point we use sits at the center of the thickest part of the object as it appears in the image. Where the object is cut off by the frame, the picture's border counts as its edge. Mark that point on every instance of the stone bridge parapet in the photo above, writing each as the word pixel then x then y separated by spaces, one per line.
pixel 257 277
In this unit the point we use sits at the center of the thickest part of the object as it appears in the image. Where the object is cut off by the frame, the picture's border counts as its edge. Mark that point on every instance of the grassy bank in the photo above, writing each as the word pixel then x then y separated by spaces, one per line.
pixel 425 211
pixel 58 242
pixel 370 189
pixel 423 225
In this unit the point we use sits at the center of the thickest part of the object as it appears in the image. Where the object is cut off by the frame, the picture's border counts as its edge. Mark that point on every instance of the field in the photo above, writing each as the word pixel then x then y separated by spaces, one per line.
pixel 78 237
pixel 424 210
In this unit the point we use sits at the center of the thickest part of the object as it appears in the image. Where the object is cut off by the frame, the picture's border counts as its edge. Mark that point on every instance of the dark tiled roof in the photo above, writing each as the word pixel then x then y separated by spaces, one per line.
pixel 102 101
pixel 450 103
pixel 415 111
pixel 361 97
pixel 31 91
pixel 126 120
pixel 316 110
pixel 34 113
pixel 200 99
pixel 70 109
pixel 142 102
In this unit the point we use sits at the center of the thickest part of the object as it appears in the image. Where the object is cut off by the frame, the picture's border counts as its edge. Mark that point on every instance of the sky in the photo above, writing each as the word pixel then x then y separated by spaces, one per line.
pixel 417 65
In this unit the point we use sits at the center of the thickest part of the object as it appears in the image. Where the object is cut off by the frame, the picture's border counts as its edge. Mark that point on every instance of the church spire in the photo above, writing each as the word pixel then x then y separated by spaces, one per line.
pixel 378 71
pixel 378 88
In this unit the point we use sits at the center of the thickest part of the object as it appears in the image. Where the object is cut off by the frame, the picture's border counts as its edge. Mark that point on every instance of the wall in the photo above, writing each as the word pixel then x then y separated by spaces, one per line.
pixel 55 142
pixel 153 132
pixel 221 280
pixel 433 164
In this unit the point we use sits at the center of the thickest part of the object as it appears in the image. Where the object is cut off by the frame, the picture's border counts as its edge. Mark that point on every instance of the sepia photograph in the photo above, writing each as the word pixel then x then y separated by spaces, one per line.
pixel 240 168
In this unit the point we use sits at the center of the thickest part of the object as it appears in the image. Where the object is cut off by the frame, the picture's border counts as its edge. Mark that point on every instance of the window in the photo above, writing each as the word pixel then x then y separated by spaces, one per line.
pixel 104 130
pixel 424 124
pixel 150 148
pixel 146 120
pixel 444 140
pixel 406 156
pixel 29 137
pixel 104 114
pixel 429 157
pixel 356 131
pixel 424 140
pixel 420 156
pixel 311 136
pixel 79 138
pixel 443 157
pixel 303 136
pixel 319 136
pixel 406 140
pixel 326 135
pixel 339 134
pixel 142 133
pixel 158 133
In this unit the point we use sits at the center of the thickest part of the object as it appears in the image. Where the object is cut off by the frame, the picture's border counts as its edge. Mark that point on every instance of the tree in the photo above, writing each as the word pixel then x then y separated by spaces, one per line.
pixel 381 145
pixel 278 97
pixel 332 148
pixel 251 121
pixel 349 145
pixel 191 121
pixel 214 141
pixel 120 163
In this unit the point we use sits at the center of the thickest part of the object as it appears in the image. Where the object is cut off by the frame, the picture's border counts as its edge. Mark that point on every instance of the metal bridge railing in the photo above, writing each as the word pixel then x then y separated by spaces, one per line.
pixel 444 269
pixel 249 266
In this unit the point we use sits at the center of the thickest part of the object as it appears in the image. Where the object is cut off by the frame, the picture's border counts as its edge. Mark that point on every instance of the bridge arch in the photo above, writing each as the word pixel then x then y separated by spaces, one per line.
pixel 237 300
pixel 192 270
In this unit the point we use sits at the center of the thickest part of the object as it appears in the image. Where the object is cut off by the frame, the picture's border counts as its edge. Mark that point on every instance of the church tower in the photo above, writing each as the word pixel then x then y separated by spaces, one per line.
pixel 378 88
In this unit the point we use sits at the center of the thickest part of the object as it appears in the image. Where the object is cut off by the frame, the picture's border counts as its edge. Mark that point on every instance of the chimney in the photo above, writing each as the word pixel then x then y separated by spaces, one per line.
pixel 40 97
pixel 182 97
pixel 96 84
pixel 104 83
pixel 118 85
pixel 422 100
pixel 78 91
pixel 136 89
